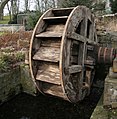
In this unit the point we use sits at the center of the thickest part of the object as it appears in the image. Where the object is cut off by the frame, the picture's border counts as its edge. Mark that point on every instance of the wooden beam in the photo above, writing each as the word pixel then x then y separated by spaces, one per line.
pixel 55 18
pixel 47 54
pixel 49 34
pixel 76 36
pixel 89 62
pixel 80 38
pixel 75 69
pixel 62 11
pixel 90 47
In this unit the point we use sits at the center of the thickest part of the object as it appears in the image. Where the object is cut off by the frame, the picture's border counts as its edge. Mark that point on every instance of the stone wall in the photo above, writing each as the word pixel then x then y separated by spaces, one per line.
pixel 107 23
pixel 107 35
pixel 16 81
pixel 110 93
pixel 26 81
pixel 106 27
pixel 10 84
pixel 101 113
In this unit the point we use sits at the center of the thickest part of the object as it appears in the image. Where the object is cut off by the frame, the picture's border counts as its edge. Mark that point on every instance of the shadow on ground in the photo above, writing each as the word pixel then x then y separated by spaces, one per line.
pixel 25 106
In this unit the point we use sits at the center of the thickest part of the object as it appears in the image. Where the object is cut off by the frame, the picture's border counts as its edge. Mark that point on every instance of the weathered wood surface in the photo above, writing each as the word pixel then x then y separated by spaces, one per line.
pixel 58 28
pixel 49 73
pixel 75 69
pixel 62 11
pixel 77 28
pixel 90 47
pixel 53 90
pixel 40 27
pixel 76 36
pixel 50 42
pixel 47 54
pixel 55 20
pixel 49 34
pixel 89 62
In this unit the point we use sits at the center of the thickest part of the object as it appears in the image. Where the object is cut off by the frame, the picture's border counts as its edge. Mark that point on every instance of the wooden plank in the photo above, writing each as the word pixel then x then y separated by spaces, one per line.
pixel 76 36
pixel 49 34
pixel 54 20
pixel 89 62
pixel 75 69
pixel 90 47
pixel 50 42
pixel 49 73
pixel 54 90
pixel 55 28
pixel 91 42
pixel 62 11
pixel 47 54
pixel 89 66
pixel 40 27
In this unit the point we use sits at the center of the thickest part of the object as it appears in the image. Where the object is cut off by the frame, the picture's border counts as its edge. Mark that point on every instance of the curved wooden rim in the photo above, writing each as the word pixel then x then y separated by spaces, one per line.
pixel 64 40
pixel 62 49
pixel 31 45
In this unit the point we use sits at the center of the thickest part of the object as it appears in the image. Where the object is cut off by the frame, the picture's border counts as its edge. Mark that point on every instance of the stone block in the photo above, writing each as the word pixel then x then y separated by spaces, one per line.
pixel 110 92
pixel 101 113
pixel 26 80
pixel 112 74
pixel 9 84
pixel 16 81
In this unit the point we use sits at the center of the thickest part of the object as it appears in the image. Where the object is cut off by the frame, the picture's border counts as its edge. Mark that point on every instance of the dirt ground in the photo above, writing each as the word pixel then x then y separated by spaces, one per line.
pixel 25 106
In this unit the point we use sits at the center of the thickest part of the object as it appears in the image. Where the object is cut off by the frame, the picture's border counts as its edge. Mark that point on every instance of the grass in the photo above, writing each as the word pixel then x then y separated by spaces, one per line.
pixel 5 20
pixel 1 33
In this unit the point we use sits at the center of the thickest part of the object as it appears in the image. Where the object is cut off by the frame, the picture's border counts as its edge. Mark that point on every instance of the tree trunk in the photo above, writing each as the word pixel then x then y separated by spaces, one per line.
pixel 38 5
pixel 2 5
pixel 9 10
pixel 1 14
pixel 26 5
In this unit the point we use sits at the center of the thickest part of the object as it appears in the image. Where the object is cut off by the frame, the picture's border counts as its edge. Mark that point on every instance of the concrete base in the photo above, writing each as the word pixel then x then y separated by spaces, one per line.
pixel 101 113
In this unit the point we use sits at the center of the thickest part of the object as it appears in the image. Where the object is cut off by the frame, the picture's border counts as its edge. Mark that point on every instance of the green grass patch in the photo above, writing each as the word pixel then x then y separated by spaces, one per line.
pixel 5 20
pixel 2 33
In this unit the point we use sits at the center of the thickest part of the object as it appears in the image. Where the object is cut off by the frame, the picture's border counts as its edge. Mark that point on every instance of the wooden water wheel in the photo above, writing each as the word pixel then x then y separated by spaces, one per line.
pixel 61 53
